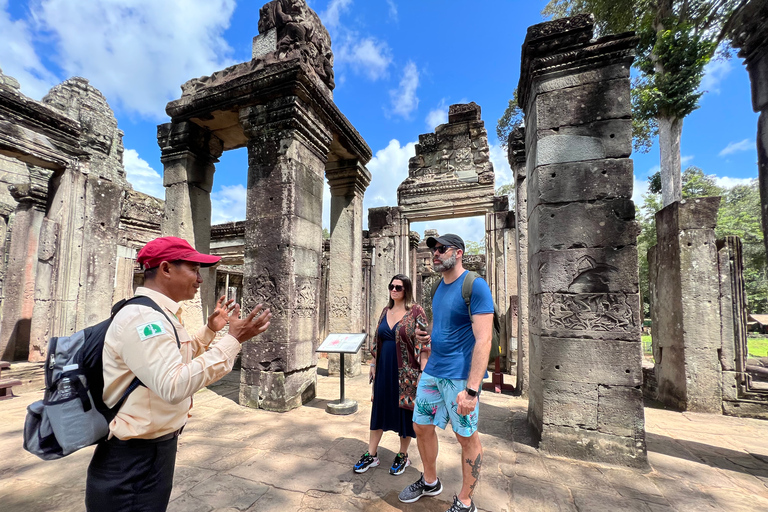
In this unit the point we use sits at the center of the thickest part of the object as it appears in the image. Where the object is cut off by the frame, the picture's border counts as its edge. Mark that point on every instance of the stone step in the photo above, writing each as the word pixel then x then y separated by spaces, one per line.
pixel 31 375
pixel 5 388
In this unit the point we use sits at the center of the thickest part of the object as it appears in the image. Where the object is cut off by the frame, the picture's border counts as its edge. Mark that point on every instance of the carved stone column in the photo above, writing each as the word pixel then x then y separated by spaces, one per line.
pixel 501 265
pixel 585 361
pixel 685 306
pixel 287 151
pixel 384 231
pixel 516 157
pixel 21 274
pixel 348 180
pixel 189 155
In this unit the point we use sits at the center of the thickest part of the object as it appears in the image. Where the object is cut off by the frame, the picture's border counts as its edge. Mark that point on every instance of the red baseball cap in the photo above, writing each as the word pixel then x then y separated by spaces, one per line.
pixel 170 248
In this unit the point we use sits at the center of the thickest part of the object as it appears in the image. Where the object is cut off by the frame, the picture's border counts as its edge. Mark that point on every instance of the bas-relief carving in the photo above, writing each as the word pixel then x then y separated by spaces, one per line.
pixel 264 291
pixel 305 305
pixel 591 277
pixel 587 311
pixel 340 307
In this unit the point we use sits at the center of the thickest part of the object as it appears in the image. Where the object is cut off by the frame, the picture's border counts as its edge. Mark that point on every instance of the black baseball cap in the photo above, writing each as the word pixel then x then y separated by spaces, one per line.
pixel 448 239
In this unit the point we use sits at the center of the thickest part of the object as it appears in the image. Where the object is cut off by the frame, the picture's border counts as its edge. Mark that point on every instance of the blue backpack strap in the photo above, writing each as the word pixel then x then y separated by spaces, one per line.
pixel 141 300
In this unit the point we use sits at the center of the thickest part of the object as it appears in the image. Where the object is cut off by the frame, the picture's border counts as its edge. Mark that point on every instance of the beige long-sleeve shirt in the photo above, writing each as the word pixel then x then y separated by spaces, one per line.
pixel 140 342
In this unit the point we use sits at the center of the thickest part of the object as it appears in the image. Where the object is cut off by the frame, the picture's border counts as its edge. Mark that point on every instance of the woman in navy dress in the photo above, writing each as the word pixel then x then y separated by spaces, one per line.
pixel 398 361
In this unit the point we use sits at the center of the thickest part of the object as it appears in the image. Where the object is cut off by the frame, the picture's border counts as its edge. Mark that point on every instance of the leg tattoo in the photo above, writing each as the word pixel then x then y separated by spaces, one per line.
pixel 476 465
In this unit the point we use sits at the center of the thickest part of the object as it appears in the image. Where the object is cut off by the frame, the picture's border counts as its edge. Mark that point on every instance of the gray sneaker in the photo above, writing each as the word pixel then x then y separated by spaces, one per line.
pixel 458 506
pixel 420 488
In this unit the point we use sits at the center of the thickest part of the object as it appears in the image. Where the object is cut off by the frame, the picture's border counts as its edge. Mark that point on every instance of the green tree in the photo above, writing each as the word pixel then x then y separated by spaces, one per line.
pixel 739 215
pixel 677 39
pixel 473 247
pixel 326 233
pixel 509 120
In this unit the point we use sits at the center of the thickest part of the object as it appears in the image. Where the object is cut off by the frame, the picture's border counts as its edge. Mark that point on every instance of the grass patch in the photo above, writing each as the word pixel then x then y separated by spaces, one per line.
pixel 757 347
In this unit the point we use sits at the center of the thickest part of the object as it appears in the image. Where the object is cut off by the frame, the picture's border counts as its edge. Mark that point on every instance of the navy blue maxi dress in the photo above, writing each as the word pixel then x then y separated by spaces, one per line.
pixel 386 413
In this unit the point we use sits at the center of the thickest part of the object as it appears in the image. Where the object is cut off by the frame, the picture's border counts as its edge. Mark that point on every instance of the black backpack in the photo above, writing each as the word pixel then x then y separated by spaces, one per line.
pixel 72 413
pixel 466 293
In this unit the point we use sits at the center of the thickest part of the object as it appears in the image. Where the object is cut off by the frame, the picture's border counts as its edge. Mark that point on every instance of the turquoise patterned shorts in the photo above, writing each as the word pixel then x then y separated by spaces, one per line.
pixel 436 405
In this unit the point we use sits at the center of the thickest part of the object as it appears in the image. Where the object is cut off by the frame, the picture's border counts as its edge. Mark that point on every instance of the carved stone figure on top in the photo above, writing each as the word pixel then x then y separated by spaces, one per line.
pixel 299 28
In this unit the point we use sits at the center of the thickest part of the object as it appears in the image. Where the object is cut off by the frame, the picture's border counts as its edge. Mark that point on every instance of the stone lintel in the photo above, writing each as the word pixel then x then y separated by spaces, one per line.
pixel 176 140
pixel 419 213
pixel 347 177
pixel 42 118
pixel 252 84
pixel 289 114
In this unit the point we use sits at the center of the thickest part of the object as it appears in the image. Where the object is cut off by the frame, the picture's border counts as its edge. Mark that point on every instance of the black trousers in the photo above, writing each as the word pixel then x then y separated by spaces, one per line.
pixel 131 476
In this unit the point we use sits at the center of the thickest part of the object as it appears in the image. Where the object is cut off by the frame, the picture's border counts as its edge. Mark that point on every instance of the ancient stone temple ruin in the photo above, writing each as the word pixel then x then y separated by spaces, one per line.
pixel 561 264
pixel 585 397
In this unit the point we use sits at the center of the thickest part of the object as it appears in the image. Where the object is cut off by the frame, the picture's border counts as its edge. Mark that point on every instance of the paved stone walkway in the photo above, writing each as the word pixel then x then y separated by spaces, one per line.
pixel 231 458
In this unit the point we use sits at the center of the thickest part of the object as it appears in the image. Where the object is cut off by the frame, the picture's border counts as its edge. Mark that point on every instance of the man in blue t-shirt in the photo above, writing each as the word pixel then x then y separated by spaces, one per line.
pixel 449 387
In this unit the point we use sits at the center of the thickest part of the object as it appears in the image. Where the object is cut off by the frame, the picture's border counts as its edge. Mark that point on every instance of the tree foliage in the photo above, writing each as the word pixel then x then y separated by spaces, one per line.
pixel 677 39
pixel 509 120
pixel 472 247
pixel 739 215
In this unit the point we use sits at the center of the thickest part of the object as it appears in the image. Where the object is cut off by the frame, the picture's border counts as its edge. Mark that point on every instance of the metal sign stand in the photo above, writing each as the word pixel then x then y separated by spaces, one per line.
pixel 341 344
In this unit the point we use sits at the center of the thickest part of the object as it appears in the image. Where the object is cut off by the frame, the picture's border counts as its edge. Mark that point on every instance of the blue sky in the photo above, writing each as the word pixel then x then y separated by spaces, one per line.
pixel 398 64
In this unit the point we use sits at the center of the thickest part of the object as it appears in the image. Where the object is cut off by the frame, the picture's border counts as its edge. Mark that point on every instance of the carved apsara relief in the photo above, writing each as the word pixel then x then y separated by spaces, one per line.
pixel 264 291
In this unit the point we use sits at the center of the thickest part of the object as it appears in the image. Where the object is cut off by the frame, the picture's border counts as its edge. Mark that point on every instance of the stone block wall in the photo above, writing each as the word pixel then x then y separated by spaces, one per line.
pixel 585 397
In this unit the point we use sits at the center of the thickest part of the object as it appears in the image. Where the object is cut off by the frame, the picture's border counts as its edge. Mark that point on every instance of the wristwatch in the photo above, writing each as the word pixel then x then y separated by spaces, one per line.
pixel 472 392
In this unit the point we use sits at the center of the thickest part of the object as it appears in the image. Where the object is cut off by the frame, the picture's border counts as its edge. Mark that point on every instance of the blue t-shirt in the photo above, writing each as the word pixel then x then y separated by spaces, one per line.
pixel 452 338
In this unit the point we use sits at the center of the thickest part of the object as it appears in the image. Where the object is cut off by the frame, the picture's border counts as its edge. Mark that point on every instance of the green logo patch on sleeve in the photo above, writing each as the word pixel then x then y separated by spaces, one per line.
pixel 150 330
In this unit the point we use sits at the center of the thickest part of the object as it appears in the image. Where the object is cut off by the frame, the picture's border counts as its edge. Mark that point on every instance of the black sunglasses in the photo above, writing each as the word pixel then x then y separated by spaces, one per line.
pixel 440 249
pixel 396 287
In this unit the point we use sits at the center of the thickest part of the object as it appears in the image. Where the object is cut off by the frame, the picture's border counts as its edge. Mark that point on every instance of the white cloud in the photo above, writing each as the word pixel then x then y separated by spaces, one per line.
pixel 18 58
pixel 331 16
pixel 734 147
pixel 714 73
pixel 138 52
pixel 404 99
pixel 437 116
pixel 388 168
pixel 366 56
pixel 727 182
pixel 684 160
pixel 392 10
pixel 653 170
pixel 228 204
pixel 501 167
pixel 468 228
pixel 639 189
pixel 141 175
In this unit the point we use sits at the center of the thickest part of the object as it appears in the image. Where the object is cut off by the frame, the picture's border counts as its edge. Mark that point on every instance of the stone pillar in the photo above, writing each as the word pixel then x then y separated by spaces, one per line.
pixel 585 360
pixel 413 239
pixel 501 265
pixel 516 157
pixel 384 225
pixel 287 151
pixel 189 155
pixel 21 273
pixel 685 307
pixel 750 35
pixel 348 180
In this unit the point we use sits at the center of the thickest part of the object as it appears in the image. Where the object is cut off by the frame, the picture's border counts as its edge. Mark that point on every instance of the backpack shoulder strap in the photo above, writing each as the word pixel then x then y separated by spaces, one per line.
pixel 143 300
pixel 466 290
pixel 434 289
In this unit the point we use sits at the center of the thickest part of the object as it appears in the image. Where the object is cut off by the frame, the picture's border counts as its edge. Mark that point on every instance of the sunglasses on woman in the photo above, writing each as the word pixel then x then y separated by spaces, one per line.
pixel 396 287
pixel 440 249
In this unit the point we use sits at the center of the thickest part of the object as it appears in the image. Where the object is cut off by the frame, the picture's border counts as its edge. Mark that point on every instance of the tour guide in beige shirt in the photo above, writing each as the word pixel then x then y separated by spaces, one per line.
pixel 133 469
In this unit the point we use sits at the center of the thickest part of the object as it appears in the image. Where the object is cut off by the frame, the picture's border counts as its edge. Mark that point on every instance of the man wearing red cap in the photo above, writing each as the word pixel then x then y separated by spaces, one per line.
pixel 133 469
